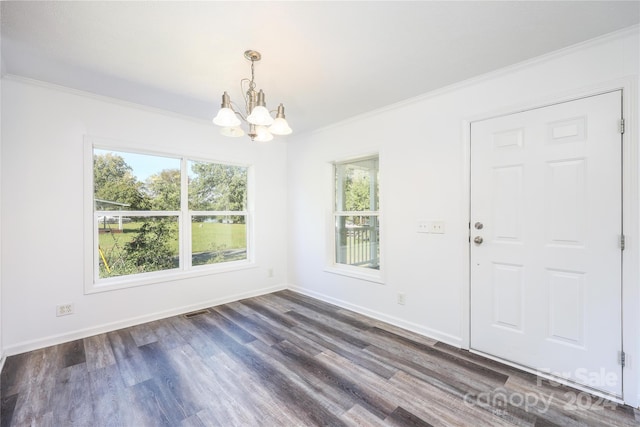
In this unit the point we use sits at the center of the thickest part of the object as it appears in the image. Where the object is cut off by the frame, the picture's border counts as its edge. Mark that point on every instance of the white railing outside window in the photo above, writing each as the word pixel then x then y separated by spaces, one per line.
pixel 356 214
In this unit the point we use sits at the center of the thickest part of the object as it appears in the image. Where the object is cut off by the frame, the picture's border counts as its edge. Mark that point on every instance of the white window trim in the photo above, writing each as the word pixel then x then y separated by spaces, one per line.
pixel 185 270
pixel 331 266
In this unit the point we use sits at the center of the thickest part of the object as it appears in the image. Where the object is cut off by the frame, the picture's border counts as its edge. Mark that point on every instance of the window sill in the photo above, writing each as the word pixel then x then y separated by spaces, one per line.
pixel 116 283
pixel 355 272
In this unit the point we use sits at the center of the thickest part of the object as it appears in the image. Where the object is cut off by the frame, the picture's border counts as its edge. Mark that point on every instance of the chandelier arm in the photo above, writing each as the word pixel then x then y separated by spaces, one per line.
pixel 242 87
pixel 237 112
pixel 245 94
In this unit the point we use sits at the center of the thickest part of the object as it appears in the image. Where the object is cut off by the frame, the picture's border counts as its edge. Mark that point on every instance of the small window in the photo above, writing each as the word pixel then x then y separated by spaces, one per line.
pixel 155 215
pixel 356 213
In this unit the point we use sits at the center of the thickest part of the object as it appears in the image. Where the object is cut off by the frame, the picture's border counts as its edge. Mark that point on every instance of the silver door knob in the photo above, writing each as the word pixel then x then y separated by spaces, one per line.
pixel 477 239
pixel 478 225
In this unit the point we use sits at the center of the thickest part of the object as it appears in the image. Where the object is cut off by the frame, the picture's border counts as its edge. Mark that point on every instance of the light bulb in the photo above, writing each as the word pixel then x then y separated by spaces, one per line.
pixel 233 132
pixel 260 116
pixel 280 127
pixel 226 118
pixel 262 134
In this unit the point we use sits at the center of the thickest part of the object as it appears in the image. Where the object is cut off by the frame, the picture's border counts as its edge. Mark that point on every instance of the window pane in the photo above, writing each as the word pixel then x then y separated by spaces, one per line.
pixel 218 238
pixel 137 245
pixel 357 185
pixel 135 182
pixel 217 187
pixel 357 241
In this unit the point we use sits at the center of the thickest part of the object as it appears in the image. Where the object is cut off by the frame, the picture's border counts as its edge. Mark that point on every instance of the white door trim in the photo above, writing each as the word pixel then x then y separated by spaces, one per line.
pixel 630 223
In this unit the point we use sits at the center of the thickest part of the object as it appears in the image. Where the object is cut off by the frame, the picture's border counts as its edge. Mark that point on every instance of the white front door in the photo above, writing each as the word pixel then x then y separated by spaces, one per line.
pixel 546 221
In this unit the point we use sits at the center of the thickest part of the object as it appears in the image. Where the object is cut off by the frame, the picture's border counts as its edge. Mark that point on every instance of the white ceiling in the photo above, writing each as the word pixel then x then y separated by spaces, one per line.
pixel 326 61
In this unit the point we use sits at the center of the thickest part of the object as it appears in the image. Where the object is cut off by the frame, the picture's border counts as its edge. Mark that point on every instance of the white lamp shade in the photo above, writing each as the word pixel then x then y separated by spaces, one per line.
pixel 233 132
pixel 262 134
pixel 280 127
pixel 260 116
pixel 226 118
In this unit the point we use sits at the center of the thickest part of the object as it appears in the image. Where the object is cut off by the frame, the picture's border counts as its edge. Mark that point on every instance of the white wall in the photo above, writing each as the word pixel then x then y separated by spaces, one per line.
pixel 1 73
pixel 423 176
pixel 42 214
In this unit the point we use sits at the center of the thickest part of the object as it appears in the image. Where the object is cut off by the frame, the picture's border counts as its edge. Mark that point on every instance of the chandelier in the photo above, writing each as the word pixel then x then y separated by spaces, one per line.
pixel 261 125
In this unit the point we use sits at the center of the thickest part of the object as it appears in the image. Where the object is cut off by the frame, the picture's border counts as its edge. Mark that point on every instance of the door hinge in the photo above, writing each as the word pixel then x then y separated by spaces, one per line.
pixel 621 125
pixel 622 242
pixel 622 358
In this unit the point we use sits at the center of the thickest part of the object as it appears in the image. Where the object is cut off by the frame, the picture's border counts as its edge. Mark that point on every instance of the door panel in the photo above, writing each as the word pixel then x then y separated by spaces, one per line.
pixel 546 279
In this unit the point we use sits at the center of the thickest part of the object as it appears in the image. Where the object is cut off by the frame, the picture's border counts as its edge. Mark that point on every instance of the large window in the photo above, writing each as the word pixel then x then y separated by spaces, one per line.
pixel 356 214
pixel 156 215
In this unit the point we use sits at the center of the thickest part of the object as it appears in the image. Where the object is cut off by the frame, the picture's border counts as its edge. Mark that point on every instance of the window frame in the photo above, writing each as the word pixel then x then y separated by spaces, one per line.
pixel 93 283
pixel 332 266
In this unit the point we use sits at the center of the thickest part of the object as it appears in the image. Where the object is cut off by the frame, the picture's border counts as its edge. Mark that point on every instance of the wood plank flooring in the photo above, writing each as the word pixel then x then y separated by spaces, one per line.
pixel 282 359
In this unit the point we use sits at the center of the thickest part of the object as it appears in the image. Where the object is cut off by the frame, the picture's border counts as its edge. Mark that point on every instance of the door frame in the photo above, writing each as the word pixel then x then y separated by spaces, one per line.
pixel 630 221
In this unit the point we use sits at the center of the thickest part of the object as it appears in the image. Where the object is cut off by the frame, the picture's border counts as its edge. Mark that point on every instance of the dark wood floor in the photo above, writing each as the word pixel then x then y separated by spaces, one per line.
pixel 281 360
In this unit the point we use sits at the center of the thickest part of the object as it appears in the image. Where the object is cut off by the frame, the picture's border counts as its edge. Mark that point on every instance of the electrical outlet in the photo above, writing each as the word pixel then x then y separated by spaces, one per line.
pixel 436 227
pixel 401 298
pixel 64 309
pixel 423 227
pixel 270 272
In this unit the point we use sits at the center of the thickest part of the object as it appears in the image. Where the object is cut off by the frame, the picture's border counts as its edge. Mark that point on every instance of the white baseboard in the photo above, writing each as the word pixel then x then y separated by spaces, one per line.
pixel 25 346
pixel 108 327
pixel 410 326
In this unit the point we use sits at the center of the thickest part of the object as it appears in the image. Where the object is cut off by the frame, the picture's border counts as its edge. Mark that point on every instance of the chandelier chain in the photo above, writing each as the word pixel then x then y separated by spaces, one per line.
pixel 251 89
pixel 252 84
